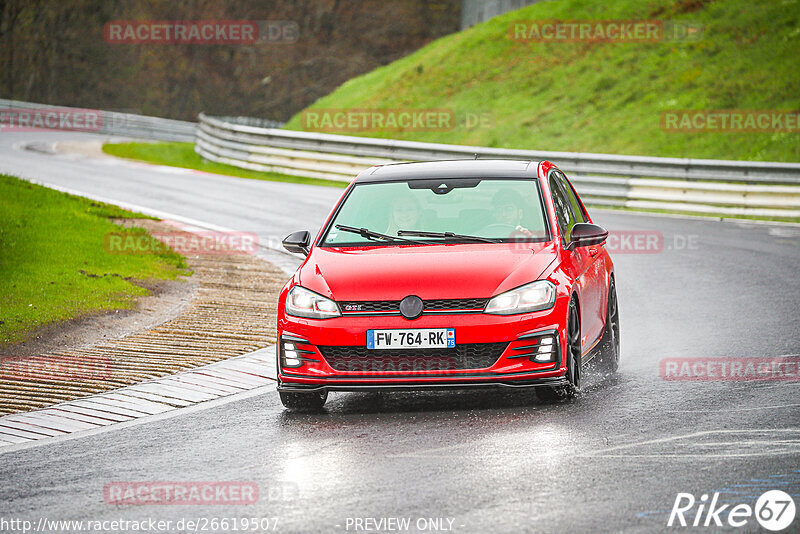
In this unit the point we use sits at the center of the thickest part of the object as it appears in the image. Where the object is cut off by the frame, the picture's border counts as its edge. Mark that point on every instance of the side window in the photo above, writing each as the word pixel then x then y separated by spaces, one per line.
pixel 564 215
pixel 577 210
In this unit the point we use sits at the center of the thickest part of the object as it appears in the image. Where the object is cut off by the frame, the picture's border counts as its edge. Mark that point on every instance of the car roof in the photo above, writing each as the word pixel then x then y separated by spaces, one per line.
pixel 461 168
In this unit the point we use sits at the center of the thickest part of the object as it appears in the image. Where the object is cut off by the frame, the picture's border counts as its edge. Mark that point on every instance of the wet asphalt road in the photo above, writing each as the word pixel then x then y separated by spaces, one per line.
pixel 611 460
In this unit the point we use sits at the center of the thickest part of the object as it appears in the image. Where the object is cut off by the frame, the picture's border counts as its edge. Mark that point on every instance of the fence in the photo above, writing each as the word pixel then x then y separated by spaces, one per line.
pixel 725 188
pixel 111 122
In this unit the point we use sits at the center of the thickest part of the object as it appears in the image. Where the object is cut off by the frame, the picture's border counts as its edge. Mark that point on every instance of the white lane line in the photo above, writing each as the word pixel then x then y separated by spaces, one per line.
pixel 203 380
pixel 696 435
pixel 75 416
pixel 184 392
pixel 189 391
pixel 21 433
pixel 39 441
pixel 170 388
pixel 721 410
pixel 130 392
pixel 131 406
pixel 693 456
pixel 97 404
pixel 31 427
pixel 55 422
pixel 258 371
pixel 211 385
pixel 213 376
pixel 115 404
pixel 146 406
pixel 243 382
pixel 236 376
pixel 685 216
pixel 100 414
pixel 767 441
pixel 11 439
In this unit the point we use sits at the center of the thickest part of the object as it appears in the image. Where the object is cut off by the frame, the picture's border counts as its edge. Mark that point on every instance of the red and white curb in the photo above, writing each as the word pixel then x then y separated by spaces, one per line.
pixel 174 392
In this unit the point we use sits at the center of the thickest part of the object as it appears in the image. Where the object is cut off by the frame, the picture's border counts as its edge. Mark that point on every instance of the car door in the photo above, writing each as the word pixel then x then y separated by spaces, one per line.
pixel 588 271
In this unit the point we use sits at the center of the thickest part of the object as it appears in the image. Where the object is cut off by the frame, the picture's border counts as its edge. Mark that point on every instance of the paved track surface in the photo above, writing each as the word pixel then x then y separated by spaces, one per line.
pixel 613 459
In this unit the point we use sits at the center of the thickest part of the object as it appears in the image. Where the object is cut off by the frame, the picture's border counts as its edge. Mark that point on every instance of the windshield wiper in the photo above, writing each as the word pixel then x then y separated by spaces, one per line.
pixel 375 236
pixel 446 235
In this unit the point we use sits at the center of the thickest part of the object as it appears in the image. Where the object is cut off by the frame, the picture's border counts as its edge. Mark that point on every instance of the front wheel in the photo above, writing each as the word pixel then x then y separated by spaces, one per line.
pixel 303 402
pixel 574 361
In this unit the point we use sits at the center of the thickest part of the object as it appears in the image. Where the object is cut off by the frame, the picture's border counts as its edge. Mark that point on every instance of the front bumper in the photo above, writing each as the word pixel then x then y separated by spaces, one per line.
pixel 443 385
pixel 516 337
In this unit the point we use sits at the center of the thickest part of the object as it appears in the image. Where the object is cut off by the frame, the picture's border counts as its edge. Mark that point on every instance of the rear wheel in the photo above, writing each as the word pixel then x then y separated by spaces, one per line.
pixel 304 402
pixel 610 343
pixel 574 364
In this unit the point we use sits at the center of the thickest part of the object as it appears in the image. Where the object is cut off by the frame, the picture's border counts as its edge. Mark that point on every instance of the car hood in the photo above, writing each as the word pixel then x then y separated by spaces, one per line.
pixel 430 271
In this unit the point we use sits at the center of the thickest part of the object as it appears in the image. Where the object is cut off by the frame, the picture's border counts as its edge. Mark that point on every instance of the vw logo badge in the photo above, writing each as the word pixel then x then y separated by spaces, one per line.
pixel 411 307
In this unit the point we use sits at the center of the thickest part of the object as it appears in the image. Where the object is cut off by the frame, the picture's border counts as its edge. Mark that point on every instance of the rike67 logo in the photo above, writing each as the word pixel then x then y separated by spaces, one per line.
pixel 774 510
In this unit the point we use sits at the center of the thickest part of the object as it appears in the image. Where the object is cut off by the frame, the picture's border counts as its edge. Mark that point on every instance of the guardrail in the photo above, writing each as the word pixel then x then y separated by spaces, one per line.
pixel 721 187
pixel 108 122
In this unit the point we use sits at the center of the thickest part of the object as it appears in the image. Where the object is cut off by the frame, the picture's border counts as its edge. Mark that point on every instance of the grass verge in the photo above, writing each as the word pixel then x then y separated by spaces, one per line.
pixel 603 97
pixel 53 262
pixel 183 155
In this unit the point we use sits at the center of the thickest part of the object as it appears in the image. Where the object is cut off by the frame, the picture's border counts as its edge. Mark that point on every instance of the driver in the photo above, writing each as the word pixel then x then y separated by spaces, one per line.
pixel 509 210
pixel 405 214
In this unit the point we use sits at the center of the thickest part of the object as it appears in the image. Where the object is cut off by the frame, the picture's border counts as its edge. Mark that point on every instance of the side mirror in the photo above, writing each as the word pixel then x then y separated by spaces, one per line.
pixel 298 242
pixel 585 234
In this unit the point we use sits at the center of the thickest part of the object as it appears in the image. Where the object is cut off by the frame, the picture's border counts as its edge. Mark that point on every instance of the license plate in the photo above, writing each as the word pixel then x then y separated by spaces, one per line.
pixel 418 338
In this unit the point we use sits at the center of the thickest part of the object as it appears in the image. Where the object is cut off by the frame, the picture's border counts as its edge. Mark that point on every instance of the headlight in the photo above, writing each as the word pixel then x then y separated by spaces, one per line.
pixel 535 296
pixel 301 302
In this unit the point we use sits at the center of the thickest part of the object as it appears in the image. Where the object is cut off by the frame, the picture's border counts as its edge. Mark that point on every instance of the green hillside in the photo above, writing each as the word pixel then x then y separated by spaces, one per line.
pixel 605 97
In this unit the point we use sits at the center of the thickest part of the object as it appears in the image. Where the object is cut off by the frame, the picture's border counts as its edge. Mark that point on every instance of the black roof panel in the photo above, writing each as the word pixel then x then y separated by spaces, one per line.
pixel 462 168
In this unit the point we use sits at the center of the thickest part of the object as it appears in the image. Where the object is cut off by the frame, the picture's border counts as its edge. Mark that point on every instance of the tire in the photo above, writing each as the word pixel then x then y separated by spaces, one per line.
pixel 303 402
pixel 610 343
pixel 574 363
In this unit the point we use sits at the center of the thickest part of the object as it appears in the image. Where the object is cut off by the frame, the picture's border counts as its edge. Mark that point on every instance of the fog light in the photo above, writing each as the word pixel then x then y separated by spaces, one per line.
pixel 546 351
pixel 290 358
pixel 538 347
pixel 293 356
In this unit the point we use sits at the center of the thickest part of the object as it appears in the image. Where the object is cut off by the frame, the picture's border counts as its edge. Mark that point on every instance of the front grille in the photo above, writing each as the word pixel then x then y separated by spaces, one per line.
pixel 363 360
pixel 371 306
pixel 456 304
pixel 393 306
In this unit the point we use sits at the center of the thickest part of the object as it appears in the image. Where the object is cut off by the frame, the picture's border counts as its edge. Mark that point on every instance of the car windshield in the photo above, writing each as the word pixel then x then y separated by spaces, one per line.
pixel 439 210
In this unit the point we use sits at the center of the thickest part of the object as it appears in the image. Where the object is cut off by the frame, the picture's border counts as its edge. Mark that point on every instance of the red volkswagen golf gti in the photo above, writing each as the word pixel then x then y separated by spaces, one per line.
pixel 467 273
